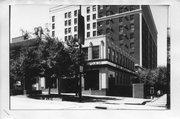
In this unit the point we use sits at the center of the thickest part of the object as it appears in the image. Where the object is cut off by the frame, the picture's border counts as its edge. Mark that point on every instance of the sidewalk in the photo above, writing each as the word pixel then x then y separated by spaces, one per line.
pixel 88 102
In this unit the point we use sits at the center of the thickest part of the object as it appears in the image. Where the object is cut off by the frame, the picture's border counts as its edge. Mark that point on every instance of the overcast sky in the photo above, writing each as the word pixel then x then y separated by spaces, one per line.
pixel 29 16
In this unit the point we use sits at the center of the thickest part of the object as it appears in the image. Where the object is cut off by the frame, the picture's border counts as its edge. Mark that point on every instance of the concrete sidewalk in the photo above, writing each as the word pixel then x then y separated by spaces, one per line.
pixel 93 102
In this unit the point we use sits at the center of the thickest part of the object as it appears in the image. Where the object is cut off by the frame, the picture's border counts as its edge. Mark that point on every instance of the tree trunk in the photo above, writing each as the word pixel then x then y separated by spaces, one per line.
pixel 49 92
pixel 59 88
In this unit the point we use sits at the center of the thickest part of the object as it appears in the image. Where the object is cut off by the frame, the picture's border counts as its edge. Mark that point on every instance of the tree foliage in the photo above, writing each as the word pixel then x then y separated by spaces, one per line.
pixel 47 58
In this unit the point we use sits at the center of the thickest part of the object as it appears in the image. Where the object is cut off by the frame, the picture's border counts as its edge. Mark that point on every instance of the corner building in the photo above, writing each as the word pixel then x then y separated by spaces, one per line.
pixel 114 43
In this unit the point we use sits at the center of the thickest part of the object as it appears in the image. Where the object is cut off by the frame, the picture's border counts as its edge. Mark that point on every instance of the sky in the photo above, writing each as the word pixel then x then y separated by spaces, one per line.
pixel 29 16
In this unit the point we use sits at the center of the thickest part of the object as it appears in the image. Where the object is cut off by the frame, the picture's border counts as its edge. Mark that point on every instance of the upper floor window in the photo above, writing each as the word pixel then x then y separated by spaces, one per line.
pixel 69 30
pixel 132 27
pixel 131 7
pixel 65 15
pixel 69 22
pixel 75 13
pixel 100 14
pixel 88 34
pixel 100 6
pixel 94 16
pixel 85 52
pixel 120 10
pixel 69 14
pixel 94 7
pixel 53 33
pixel 65 38
pixel 75 21
pixel 131 17
pixel 53 18
pixel 53 26
pixel 88 18
pixel 94 33
pixel 75 28
pixel 120 19
pixel 95 52
pixel 65 23
pixel 88 26
pixel 131 35
pixel 94 25
pixel 88 9
pixel 66 31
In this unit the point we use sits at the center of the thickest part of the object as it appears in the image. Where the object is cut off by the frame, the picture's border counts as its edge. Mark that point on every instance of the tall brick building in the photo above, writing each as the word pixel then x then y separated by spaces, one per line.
pixel 132 27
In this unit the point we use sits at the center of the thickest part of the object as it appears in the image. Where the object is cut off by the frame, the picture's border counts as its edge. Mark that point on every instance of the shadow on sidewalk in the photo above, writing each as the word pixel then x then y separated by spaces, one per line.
pixel 71 98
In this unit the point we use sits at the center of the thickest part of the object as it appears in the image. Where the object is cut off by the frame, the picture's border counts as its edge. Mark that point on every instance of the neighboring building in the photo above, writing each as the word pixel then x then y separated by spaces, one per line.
pixel 132 27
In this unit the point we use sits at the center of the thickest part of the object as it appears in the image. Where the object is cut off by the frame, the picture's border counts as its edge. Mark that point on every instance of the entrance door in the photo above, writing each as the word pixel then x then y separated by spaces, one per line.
pixel 92 80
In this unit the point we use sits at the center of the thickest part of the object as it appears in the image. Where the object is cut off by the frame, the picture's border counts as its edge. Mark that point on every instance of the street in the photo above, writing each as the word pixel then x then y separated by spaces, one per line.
pixel 94 102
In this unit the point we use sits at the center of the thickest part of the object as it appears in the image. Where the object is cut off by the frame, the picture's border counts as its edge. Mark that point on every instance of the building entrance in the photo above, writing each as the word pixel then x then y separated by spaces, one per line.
pixel 92 80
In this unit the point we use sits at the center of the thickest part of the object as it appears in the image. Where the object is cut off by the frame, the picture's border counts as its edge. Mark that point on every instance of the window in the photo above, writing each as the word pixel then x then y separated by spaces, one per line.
pixel 53 26
pixel 108 13
pixel 65 15
pixel 69 30
pixel 100 32
pixel 95 52
pixel 75 36
pixel 132 45
pixel 107 22
pixel 131 17
pixel 94 33
pixel 120 19
pixel 88 9
pixel 53 18
pixel 85 52
pixel 126 9
pixel 121 29
pixel 107 6
pixel 100 23
pixel 131 35
pixel 120 10
pixel 65 31
pixel 100 6
pixel 75 13
pixel 88 34
pixel 69 37
pixel 132 27
pixel 94 16
pixel 53 33
pixel 94 25
pixel 75 28
pixel 75 21
pixel 113 55
pixel 88 26
pixel 109 53
pixel 100 14
pixel 120 37
pixel 65 38
pixel 69 22
pixel 132 7
pixel 65 23
pixel 94 7
pixel 88 18
pixel 69 14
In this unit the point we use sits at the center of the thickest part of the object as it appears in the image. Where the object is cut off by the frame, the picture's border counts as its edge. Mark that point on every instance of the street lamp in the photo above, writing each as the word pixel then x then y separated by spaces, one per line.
pixel 80 41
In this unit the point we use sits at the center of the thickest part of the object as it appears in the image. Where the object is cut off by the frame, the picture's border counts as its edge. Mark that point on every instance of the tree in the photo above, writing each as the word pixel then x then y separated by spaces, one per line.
pixel 156 77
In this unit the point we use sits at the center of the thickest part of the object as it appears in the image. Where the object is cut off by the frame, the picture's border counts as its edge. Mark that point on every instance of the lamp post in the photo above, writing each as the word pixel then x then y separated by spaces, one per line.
pixel 80 41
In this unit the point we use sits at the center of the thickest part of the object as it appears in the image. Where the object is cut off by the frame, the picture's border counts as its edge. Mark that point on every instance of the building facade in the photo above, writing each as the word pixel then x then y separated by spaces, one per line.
pixel 117 38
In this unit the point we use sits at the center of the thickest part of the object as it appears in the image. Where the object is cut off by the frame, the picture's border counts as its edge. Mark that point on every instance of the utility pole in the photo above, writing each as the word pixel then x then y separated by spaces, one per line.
pixel 168 59
pixel 81 41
